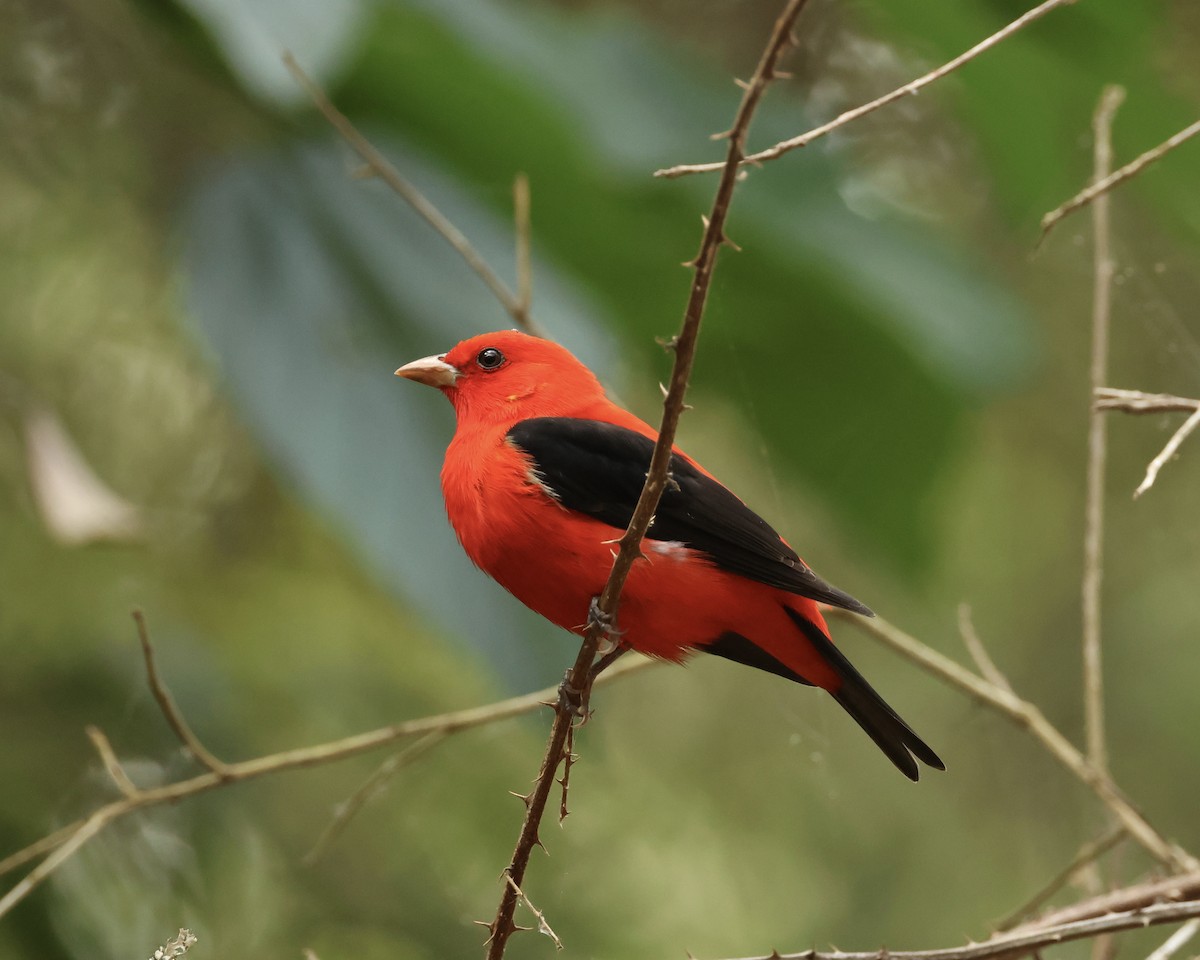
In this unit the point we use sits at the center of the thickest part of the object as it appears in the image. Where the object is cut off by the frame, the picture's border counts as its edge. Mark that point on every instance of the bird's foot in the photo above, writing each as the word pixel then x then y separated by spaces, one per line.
pixel 606 622
pixel 574 699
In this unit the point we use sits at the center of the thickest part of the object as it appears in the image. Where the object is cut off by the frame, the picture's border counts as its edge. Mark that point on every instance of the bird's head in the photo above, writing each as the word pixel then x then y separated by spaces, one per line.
pixel 507 376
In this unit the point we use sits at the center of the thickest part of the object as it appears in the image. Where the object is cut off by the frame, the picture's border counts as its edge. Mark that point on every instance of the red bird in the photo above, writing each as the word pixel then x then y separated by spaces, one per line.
pixel 542 476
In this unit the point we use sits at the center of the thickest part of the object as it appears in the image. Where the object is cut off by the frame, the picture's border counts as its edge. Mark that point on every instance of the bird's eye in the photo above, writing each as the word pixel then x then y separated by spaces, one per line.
pixel 489 358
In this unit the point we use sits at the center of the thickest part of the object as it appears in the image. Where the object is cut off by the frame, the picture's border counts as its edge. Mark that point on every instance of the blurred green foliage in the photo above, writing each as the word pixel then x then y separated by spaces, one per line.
pixel 203 303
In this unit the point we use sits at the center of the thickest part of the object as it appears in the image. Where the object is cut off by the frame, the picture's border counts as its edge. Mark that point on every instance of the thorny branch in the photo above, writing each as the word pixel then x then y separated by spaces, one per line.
pixel 657 477
pixel 378 165
pixel 1126 909
pixel 61 845
pixel 1017 944
pixel 909 89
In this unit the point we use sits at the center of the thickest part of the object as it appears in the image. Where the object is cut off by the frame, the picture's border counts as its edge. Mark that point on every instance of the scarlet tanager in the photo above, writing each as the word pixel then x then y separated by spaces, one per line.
pixel 542 477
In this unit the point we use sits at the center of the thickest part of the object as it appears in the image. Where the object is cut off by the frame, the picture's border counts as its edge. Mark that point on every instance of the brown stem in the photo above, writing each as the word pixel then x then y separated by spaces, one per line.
pixel 1093 536
pixel 1115 179
pixel 908 90
pixel 1011 945
pixel 657 478
pixel 64 842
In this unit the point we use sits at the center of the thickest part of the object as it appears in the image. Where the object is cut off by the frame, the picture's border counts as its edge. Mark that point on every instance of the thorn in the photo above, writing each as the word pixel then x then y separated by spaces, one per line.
pixel 517 928
pixel 704 220
pixel 741 175
pixel 741 83
pixel 729 243
pixel 690 264
pixel 723 135
pixel 668 343
pixel 782 75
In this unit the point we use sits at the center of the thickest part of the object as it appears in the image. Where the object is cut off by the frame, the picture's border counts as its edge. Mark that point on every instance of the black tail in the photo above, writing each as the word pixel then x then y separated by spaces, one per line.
pixel 858 698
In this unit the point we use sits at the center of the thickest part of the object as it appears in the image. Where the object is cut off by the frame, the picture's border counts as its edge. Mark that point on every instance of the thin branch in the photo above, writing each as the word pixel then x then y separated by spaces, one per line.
pixel 523 231
pixel 1130 170
pixel 1135 401
pixel 657 477
pixel 1029 717
pixel 63 843
pixel 1011 945
pixel 1175 889
pixel 374 785
pixel 1176 941
pixel 908 90
pixel 1168 452
pixel 543 926
pixel 1088 854
pixel 111 764
pixel 1093 534
pixel 166 703
pixel 378 165
pixel 60 855
pixel 39 847
pixel 983 660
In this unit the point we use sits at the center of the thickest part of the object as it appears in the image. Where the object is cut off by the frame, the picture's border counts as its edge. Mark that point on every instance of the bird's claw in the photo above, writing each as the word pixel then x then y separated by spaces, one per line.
pixel 607 622
pixel 575 699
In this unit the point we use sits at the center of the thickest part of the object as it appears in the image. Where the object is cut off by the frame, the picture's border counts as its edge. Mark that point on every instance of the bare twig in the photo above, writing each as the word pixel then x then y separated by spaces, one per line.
pixel 657 476
pixel 1176 941
pixel 1011 945
pixel 983 660
pixel 381 167
pixel 1135 401
pixel 375 784
pixel 166 703
pixel 79 836
pixel 1185 886
pixel 1168 452
pixel 1088 854
pixel 908 90
pixel 524 248
pixel 1093 535
pixel 63 843
pixel 111 764
pixel 1029 717
pixel 39 847
pixel 543 926
pixel 1130 170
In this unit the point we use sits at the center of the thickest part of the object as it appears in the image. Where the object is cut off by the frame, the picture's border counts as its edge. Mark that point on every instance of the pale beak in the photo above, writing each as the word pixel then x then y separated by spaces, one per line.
pixel 432 371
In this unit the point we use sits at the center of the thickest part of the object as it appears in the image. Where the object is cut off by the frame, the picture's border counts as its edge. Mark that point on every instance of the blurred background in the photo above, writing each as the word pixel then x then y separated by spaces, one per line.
pixel 200 312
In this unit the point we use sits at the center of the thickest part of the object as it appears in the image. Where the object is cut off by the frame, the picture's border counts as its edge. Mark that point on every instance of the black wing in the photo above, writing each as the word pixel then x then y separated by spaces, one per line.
pixel 599 468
